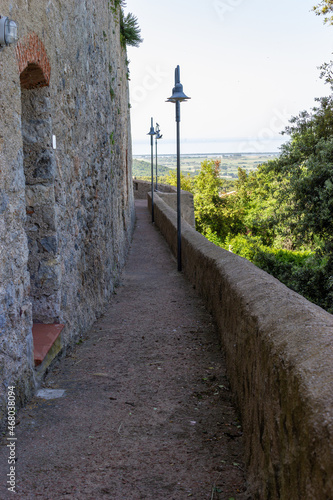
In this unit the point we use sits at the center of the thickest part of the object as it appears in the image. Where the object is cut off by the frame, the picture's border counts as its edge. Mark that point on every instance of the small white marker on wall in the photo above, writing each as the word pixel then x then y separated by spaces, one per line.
pixel 54 142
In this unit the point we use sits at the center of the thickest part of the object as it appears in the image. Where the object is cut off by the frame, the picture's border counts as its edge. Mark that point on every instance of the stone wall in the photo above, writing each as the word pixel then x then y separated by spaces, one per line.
pixel 141 188
pixel 279 355
pixel 186 203
pixel 169 195
pixel 66 192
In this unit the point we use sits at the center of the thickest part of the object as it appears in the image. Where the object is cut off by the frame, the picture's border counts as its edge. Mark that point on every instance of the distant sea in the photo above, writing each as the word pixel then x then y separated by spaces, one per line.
pixel 209 155
pixel 211 148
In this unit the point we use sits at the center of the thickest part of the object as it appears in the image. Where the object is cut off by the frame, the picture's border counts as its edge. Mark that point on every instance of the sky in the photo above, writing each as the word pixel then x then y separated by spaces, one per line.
pixel 248 66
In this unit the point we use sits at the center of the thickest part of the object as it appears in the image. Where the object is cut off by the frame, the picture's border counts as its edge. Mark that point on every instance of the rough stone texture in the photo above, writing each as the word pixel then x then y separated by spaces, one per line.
pixel 66 214
pixel 39 162
pixel 279 350
pixel 186 203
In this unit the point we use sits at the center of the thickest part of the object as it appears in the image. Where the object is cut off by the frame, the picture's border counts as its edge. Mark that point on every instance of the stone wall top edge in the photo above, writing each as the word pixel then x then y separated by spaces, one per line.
pixel 158 191
pixel 173 194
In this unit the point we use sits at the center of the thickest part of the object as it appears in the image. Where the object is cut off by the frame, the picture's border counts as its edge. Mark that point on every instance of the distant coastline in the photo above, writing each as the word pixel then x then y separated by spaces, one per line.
pixel 245 145
pixel 210 155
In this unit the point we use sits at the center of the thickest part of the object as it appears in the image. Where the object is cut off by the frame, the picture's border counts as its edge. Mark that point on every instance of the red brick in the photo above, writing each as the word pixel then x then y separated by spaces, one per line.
pixel 33 63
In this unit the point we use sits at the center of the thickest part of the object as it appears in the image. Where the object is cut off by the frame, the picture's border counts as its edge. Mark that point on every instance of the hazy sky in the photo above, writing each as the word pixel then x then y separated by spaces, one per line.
pixel 248 66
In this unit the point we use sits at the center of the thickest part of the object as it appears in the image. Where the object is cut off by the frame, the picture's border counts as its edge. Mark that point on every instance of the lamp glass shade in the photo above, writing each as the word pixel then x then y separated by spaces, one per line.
pixel 11 32
pixel 8 31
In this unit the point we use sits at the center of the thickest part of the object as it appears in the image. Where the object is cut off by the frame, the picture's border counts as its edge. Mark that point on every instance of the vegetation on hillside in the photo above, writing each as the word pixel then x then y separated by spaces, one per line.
pixel 191 164
pixel 142 170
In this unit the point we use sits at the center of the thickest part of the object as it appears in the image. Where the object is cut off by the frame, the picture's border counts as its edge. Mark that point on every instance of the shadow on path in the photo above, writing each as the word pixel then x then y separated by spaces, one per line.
pixel 147 412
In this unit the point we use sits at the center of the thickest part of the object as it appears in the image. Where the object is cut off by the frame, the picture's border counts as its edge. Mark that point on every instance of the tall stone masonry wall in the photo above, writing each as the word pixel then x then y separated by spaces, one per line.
pixel 66 193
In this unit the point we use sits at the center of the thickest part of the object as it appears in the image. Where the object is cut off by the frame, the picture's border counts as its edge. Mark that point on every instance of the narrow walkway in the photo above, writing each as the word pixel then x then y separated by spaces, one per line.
pixel 147 413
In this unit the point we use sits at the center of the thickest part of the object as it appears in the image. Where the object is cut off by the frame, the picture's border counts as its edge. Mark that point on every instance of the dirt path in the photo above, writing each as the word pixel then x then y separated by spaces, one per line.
pixel 147 413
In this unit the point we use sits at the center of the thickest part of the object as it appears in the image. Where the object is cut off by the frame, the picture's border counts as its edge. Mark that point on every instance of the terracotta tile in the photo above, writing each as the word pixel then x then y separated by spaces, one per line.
pixel 44 337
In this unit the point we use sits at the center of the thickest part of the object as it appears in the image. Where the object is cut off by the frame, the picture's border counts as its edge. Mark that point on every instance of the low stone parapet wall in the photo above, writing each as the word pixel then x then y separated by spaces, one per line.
pixel 169 196
pixel 141 188
pixel 186 201
pixel 279 352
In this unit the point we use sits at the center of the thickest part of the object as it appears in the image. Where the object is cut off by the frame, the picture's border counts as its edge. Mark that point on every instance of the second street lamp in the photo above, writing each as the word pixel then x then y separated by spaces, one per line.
pixel 177 97
pixel 157 136
pixel 152 133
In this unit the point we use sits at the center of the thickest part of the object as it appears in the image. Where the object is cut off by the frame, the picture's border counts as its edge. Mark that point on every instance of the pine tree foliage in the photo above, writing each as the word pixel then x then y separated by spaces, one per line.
pixel 129 30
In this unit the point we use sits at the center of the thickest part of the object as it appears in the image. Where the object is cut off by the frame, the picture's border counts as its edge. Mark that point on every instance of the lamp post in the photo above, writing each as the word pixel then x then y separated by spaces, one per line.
pixel 177 97
pixel 8 31
pixel 157 136
pixel 152 133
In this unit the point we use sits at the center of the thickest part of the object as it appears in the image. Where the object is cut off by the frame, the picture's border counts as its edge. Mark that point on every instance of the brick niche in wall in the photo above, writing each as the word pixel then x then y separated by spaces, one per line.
pixel 34 66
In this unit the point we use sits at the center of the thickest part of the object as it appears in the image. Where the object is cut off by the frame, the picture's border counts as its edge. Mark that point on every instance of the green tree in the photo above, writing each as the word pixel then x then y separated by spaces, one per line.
pixel 256 197
pixel 304 196
pixel 207 201
pixel 215 214
pixel 306 163
pixel 186 181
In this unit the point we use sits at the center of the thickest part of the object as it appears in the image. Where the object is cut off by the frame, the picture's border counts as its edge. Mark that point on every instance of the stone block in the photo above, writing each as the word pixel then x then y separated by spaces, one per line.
pixel 50 244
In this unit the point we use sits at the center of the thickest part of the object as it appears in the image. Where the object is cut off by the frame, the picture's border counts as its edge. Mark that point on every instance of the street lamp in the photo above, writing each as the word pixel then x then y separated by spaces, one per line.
pixel 157 136
pixel 177 97
pixel 152 133
pixel 8 31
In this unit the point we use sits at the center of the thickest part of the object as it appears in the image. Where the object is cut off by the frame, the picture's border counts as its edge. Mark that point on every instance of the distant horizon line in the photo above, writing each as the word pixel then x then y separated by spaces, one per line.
pixel 212 154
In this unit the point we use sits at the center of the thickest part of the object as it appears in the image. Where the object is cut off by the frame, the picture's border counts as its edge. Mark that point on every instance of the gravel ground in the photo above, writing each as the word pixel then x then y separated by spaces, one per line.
pixel 147 411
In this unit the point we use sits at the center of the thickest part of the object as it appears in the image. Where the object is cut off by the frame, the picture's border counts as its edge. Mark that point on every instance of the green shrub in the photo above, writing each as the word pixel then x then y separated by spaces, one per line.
pixel 129 30
pixel 307 273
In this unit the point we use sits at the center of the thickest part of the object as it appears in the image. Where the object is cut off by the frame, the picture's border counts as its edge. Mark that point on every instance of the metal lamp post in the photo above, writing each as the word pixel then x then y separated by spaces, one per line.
pixel 152 133
pixel 177 97
pixel 157 136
